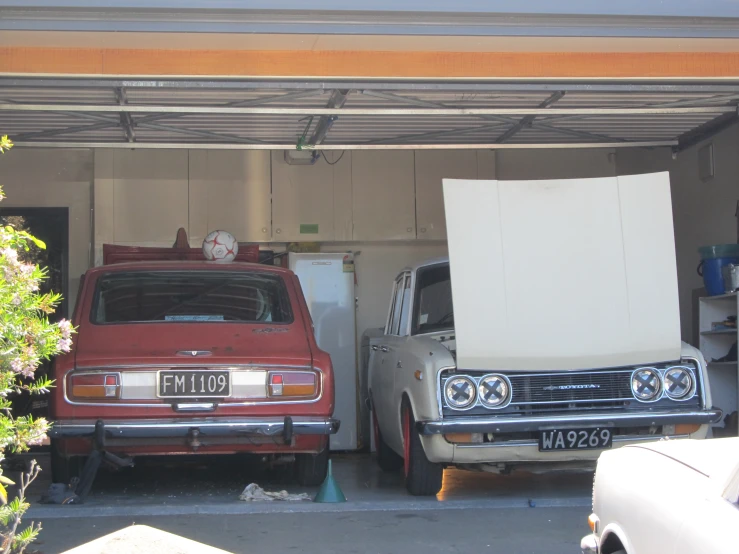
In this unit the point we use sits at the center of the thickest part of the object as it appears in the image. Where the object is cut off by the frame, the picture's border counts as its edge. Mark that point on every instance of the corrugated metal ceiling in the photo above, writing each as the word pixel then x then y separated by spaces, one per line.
pixel 63 112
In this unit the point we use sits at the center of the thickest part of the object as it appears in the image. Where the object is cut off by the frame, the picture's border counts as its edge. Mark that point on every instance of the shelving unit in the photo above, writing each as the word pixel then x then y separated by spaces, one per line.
pixel 723 377
pixel 719 332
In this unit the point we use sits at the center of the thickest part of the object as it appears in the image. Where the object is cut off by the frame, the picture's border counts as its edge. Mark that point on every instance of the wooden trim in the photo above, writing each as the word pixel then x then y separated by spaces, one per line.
pixel 369 64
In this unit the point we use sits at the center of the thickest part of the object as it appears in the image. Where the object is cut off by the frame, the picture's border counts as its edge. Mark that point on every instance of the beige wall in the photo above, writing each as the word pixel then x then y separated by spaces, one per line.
pixel 55 178
pixel 703 212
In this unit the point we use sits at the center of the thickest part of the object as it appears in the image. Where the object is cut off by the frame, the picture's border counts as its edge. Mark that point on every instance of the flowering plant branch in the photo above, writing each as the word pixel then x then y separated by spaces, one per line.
pixel 27 338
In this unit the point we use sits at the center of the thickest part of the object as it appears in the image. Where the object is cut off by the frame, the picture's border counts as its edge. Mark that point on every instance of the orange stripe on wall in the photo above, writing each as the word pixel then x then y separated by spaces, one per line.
pixel 366 63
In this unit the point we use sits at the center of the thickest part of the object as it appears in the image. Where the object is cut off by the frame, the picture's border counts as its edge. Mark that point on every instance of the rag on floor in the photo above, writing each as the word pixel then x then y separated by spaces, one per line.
pixel 254 492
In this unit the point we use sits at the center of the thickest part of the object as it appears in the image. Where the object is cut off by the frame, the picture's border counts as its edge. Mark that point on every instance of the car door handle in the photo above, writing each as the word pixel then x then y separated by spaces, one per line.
pixel 374 347
pixel 384 348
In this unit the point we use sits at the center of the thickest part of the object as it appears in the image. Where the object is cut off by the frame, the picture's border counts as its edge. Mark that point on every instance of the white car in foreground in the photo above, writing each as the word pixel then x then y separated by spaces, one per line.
pixel 672 496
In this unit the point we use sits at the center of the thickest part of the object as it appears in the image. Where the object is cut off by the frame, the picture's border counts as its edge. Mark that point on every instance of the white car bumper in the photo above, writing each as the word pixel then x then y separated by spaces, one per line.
pixel 523 452
pixel 589 544
pixel 514 424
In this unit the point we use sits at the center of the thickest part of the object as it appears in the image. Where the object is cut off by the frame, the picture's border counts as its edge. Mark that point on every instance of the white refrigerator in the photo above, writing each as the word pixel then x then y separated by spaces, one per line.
pixel 328 285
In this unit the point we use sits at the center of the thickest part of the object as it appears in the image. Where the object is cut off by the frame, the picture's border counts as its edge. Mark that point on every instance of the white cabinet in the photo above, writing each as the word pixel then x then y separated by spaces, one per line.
pixel 715 343
pixel 486 164
pixel 555 163
pixel 383 197
pixel 230 190
pixel 431 167
pixel 149 196
pixel 312 202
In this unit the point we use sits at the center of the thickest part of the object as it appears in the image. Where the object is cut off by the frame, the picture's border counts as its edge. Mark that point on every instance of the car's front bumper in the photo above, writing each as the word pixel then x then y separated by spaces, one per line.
pixel 589 544
pixel 508 424
pixel 186 427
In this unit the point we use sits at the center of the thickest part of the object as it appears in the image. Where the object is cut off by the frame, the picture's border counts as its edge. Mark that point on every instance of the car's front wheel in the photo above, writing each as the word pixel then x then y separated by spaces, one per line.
pixel 311 469
pixel 422 477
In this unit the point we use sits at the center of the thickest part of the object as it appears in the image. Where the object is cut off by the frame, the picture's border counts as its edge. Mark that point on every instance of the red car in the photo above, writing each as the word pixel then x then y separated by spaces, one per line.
pixel 187 357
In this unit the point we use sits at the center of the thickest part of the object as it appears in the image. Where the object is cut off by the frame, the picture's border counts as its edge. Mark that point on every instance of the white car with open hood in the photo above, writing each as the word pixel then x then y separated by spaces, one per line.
pixel 691 507
pixel 550 334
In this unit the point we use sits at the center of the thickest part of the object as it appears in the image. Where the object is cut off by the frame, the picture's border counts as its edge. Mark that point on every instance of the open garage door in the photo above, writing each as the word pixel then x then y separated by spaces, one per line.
pixel 349 115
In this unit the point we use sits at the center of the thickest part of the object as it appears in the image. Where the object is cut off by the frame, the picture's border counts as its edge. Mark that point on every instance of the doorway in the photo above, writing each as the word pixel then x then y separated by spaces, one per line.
pixel 50 225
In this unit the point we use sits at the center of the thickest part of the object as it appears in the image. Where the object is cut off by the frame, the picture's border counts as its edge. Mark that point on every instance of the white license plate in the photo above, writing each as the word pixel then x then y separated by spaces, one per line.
pixel 194 384
pixel 575 439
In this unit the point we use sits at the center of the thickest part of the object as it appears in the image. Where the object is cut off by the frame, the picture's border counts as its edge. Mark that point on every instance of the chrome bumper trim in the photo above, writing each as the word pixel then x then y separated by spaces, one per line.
pixel 618 439
pixel 508 424
pixel 589 545
pixel 211 427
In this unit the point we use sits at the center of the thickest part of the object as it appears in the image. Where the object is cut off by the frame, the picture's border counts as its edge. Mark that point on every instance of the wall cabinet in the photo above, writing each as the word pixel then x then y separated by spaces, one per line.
pixel 148 196
pixel 431 167
pixel 230 190
pixel 312 202
pixel 383 196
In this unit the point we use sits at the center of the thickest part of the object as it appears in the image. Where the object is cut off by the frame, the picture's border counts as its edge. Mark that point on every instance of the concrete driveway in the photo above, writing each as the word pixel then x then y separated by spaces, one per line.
pixel 198 498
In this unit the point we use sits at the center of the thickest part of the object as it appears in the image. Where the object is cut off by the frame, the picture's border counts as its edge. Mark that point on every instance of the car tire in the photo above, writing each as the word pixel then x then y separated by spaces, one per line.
pixel 422 477
pixel 311 469
pixel 387 458
pixel 64 469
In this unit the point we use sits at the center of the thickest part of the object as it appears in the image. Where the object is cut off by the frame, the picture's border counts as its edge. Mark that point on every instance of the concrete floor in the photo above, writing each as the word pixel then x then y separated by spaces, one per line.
pixel 515 531
pixel 198 498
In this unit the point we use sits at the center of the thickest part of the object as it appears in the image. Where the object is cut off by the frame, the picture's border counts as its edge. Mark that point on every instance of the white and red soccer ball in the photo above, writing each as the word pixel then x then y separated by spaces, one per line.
pixel 220 246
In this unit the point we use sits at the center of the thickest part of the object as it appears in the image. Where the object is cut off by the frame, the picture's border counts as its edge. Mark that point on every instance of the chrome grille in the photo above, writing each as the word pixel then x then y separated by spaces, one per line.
pixel 571 391
pixel 571 387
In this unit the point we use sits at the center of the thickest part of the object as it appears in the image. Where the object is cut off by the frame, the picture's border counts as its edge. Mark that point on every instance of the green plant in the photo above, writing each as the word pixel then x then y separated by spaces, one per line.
pixel 27 338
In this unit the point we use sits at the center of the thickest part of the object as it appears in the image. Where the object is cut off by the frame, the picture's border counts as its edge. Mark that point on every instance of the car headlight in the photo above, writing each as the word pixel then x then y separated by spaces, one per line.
pixel 460 392
pixel 495 391
pixel 646 384
pixel 678 382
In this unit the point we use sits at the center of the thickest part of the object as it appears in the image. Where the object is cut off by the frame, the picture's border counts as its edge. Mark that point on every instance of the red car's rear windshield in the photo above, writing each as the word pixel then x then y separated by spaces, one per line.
pixel 191 296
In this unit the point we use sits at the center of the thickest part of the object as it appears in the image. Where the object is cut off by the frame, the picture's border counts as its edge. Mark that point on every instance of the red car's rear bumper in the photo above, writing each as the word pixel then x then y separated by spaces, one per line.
pixel 205 427
pixel 191 435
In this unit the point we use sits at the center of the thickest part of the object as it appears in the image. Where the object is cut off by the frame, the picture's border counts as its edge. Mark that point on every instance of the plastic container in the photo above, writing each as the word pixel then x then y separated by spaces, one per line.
pixel 713 259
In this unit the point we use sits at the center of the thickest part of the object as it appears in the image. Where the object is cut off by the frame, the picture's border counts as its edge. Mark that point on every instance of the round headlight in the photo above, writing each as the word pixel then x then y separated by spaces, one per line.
pixel 494 391
pixel 646 384
pixel 460 392
pixel 678 382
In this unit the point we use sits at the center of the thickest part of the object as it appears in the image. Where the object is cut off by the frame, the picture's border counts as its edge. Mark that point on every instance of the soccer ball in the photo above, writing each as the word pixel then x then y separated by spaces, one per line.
pixel 220 246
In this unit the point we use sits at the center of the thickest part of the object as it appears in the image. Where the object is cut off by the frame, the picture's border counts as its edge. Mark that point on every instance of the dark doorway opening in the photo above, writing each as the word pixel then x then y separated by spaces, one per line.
pixel 50 225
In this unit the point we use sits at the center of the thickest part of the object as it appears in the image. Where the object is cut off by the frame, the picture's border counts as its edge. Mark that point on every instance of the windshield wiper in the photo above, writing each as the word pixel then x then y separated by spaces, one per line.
pixel 445 319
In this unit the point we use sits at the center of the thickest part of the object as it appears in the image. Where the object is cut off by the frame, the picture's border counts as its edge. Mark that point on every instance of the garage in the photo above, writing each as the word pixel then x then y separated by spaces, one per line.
pixel 373 187
pixel 329 131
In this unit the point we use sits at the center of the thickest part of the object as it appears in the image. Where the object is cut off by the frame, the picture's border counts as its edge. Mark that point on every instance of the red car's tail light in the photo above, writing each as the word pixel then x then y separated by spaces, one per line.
pixel 90 386
pixel 292 384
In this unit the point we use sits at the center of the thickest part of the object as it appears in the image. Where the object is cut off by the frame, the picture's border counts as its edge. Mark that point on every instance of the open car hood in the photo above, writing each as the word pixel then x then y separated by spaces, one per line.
pixel 563 274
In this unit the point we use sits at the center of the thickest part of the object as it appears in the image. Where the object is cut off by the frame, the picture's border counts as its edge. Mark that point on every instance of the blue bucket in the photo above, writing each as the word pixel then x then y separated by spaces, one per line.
pixel 713 259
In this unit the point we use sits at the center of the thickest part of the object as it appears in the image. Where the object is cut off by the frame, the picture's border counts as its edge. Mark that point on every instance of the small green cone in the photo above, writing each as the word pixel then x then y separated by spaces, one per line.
pixel 330 491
